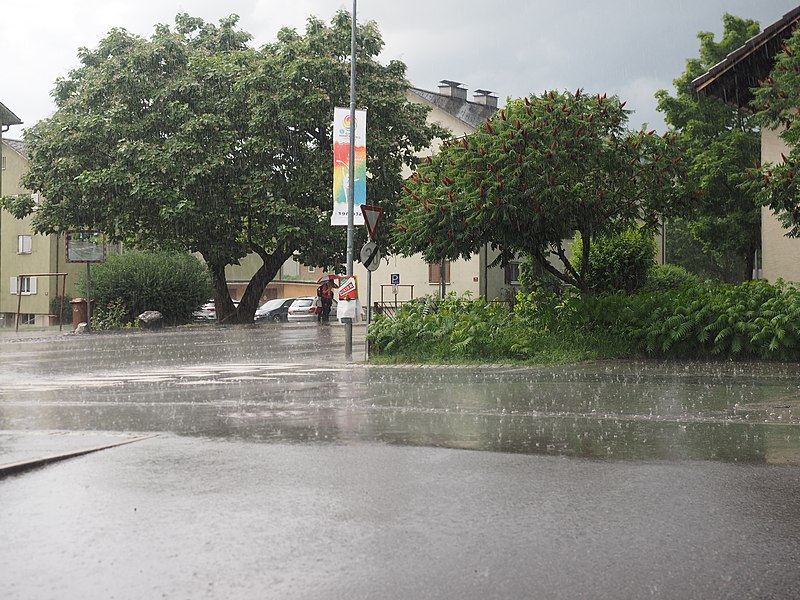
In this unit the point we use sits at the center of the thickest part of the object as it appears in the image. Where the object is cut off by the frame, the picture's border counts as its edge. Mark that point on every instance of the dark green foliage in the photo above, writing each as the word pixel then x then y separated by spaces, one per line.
pixel 722 141
pixel 63 312
pixel 533 278
pixel 541 329
pixel 662 278
pixel 776 100
pixel 751 320
pixel 112 315
pixel 173 283
pixel 193 140
pixel 621 261
pixel 542 169
pixel 754 320
pixel 683 248
pixel 449 330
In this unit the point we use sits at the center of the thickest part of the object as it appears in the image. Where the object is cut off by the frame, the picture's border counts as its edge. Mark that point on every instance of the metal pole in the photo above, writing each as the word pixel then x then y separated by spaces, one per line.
pixel 369 311
pixel 88 296
pixel 348 323
pixel 442 280
pixel 19 299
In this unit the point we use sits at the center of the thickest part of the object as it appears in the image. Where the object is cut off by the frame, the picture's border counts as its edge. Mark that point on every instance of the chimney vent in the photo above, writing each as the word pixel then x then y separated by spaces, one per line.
pixel 485 97
pixel 452 89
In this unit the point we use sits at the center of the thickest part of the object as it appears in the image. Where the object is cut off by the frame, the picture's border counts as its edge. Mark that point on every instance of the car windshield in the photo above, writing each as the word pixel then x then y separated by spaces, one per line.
pixel 272 304
pixel 302 302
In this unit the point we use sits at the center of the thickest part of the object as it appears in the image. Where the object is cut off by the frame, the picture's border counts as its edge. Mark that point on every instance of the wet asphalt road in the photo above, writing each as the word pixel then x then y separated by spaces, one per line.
pixel 271 467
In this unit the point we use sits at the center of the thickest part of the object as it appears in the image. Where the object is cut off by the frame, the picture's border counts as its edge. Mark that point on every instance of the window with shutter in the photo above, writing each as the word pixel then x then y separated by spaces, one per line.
pixel 24 244
pixel 27 285
pixel 434 272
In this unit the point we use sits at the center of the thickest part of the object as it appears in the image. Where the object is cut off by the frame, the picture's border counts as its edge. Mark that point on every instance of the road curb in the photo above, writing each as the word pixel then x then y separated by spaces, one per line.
pixel 28 465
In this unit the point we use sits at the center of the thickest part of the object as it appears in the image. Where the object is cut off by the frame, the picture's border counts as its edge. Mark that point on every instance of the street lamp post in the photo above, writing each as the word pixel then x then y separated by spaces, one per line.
pixel 348 323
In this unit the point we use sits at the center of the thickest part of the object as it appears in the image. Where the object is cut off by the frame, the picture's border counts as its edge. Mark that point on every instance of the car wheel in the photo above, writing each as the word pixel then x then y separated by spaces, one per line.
pixel 276 319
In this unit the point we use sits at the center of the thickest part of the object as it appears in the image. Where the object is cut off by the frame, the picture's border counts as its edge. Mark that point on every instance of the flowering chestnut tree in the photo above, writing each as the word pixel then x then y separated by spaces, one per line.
pixel 777 100
pixel 541 170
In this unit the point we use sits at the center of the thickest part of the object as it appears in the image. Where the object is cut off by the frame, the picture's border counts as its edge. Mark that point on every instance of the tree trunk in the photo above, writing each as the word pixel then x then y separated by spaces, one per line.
pixel 258 283
pixel 227 312
pixel 222 297
pixel 749 265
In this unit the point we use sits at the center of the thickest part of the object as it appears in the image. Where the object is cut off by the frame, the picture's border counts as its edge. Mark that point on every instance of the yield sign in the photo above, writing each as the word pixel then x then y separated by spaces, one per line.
pixel 372 216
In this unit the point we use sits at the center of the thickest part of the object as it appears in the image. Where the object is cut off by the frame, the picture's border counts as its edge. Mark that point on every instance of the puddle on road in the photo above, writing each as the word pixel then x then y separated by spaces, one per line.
pixel 616 410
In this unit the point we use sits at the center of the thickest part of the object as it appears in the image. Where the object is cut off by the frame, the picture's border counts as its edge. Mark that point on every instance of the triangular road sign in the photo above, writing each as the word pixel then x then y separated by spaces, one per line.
pixel 372 216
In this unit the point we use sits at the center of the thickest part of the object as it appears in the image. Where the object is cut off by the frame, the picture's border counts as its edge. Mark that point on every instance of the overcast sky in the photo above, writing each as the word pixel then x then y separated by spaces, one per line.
pixel 512 47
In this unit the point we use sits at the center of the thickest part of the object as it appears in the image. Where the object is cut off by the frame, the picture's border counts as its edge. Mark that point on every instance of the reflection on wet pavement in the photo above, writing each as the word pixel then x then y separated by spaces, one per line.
pixel 293 384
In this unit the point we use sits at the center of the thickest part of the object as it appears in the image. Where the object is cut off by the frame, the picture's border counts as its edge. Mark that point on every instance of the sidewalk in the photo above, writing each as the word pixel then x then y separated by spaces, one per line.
pixel 32 332
pixel 23 450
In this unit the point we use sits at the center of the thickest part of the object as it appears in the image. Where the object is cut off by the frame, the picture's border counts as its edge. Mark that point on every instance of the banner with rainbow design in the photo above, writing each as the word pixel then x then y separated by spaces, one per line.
pixel 341 165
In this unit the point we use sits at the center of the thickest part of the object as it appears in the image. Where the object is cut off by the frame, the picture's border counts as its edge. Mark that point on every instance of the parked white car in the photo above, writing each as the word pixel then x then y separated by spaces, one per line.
pixel 208 312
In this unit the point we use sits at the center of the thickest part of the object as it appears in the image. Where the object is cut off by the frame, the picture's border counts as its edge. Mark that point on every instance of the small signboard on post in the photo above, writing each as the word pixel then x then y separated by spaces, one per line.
pixel 85 246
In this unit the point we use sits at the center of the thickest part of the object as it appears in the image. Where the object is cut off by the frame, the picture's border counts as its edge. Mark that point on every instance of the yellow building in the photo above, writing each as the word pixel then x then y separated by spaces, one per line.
pixel 24 253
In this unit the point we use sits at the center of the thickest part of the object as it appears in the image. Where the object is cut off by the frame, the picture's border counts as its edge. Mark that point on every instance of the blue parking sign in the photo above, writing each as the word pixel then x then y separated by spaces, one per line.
pixel 394 278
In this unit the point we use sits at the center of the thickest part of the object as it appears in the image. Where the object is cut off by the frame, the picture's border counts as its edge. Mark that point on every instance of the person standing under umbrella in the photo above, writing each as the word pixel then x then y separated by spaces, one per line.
pixel 325 293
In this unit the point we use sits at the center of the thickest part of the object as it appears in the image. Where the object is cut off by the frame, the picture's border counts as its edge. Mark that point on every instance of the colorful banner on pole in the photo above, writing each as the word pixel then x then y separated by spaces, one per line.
pixel 341 165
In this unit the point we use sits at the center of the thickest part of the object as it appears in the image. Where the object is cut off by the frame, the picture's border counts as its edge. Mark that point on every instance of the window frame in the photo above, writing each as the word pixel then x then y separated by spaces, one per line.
pixel 433 273
pixel 22 246
pixel 511 273
pixel 28 286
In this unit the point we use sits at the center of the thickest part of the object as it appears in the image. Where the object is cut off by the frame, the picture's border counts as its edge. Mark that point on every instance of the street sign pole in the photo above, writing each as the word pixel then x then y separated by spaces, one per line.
pixel 369 313
pixel 372 216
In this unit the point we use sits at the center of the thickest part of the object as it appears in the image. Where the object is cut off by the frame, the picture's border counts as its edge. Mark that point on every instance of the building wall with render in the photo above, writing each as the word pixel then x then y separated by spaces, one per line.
pixel 780 254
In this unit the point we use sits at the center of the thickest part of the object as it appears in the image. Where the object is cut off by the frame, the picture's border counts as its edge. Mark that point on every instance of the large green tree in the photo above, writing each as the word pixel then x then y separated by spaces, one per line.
pixel 542 169
pixel 192 139
pixel 722 141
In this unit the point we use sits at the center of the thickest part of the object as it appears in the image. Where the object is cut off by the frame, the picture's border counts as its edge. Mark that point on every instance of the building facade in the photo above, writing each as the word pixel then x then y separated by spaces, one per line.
pixel 36 295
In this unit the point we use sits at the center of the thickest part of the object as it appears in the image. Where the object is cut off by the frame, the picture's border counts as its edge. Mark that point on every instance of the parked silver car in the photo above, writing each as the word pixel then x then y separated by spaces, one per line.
pixel 308 309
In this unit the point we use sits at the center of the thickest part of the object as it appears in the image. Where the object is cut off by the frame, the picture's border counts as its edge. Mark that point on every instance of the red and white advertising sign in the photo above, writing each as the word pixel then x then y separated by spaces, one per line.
pixel 348 287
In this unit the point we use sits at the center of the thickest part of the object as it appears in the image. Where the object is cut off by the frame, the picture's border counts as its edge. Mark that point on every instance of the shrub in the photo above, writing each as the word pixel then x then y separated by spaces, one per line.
pixel 750 320
pixel 173 283
pixel 662 278
pixel 619 262
pixel 113 315
pixel 451 329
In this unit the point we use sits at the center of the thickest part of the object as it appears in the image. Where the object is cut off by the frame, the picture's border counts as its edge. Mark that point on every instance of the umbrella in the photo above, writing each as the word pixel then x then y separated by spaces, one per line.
pixel 328 277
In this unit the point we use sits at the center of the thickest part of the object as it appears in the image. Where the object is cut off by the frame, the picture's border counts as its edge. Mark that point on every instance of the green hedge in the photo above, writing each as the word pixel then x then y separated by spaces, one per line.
pixel 173 283
pixel 751 320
